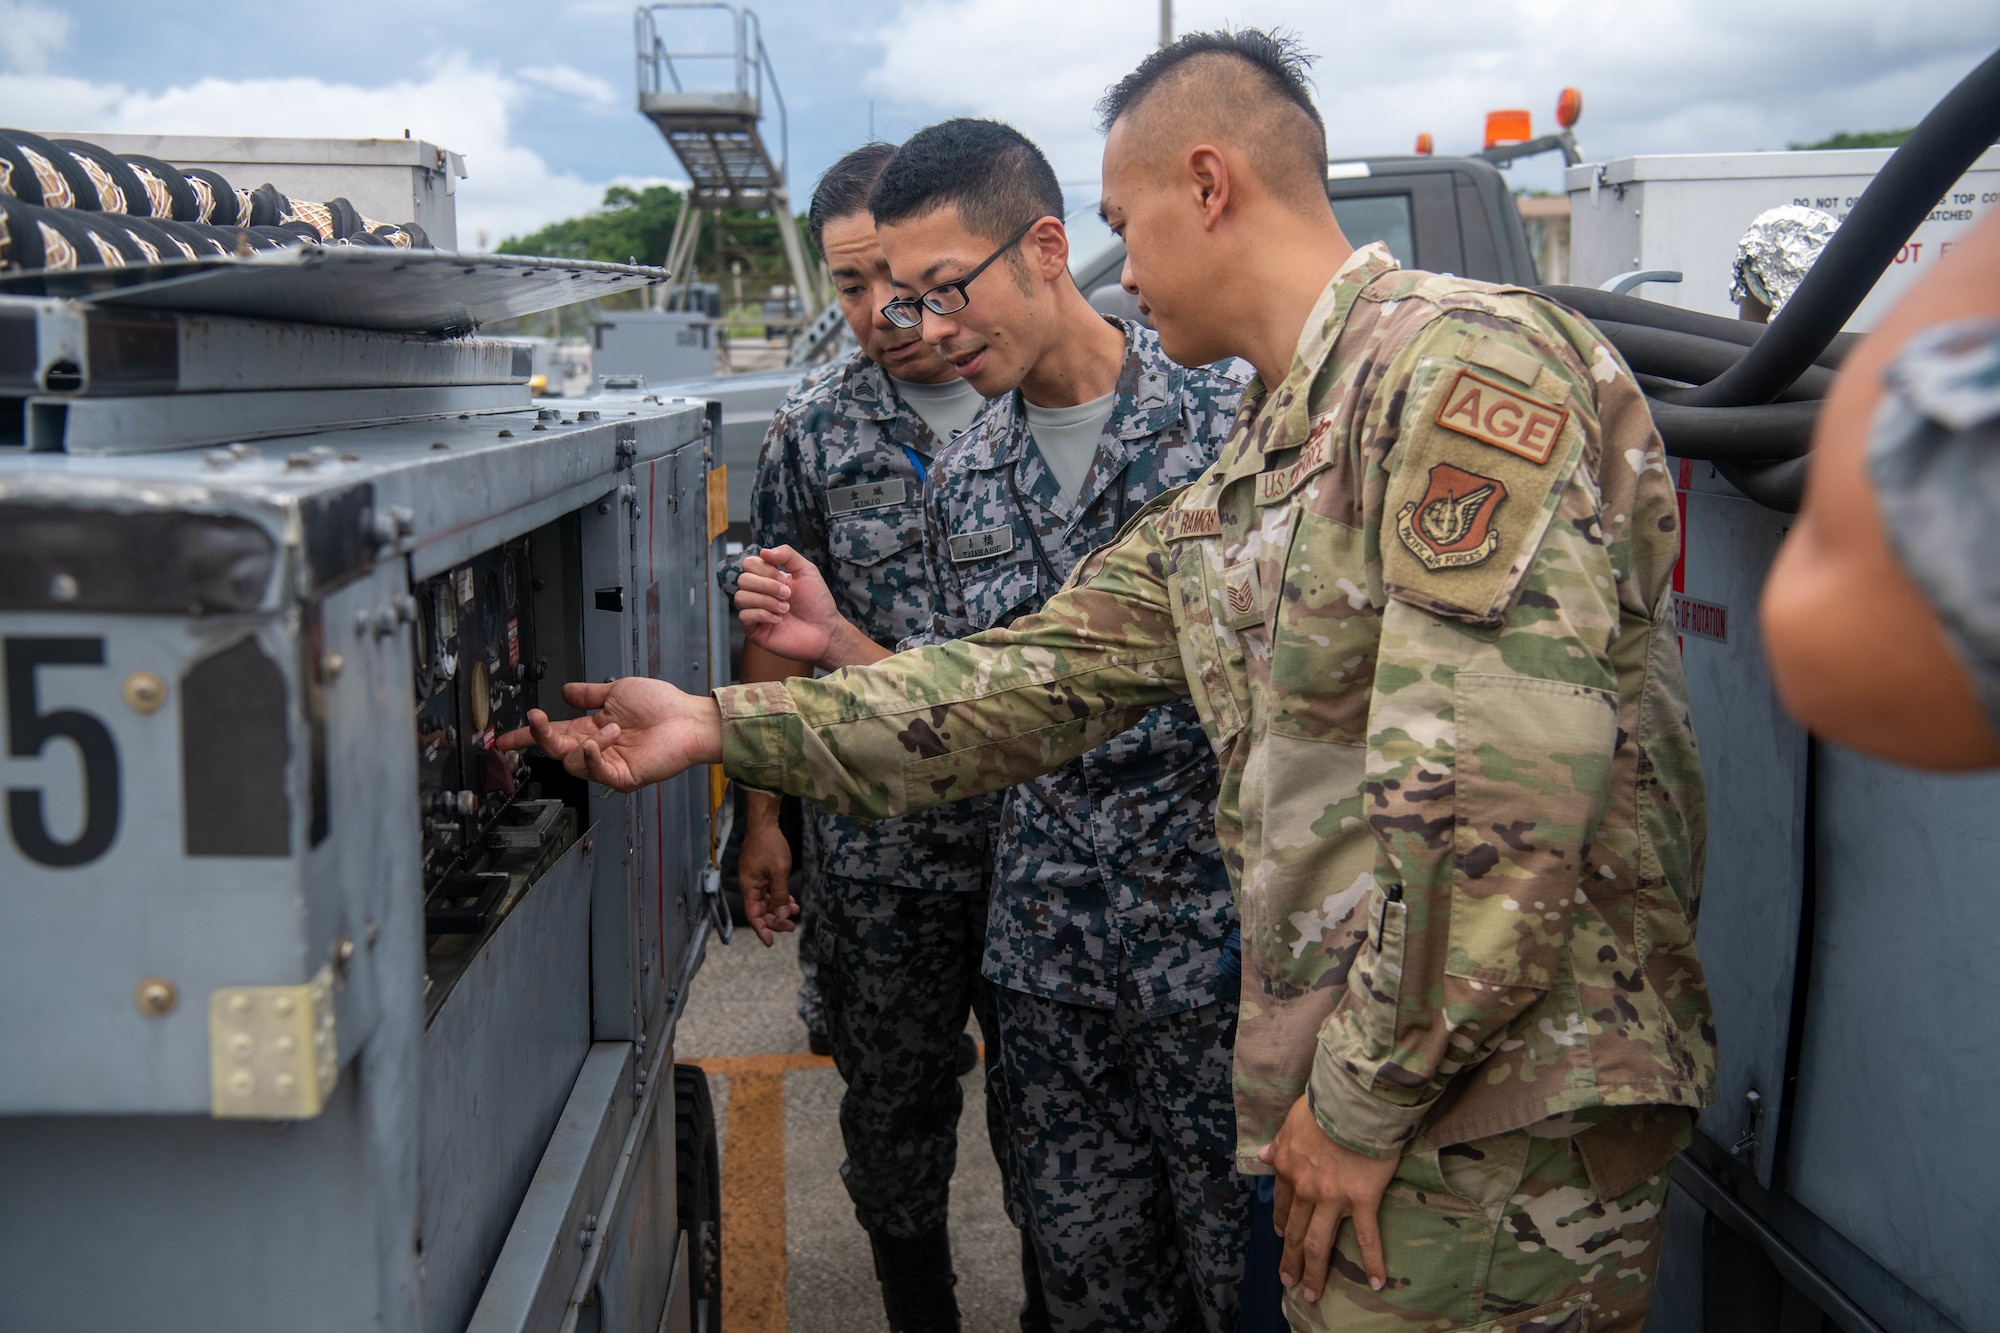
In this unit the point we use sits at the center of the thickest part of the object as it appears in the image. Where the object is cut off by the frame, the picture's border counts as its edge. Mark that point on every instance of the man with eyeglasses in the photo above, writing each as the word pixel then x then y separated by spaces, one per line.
pixel 1110 940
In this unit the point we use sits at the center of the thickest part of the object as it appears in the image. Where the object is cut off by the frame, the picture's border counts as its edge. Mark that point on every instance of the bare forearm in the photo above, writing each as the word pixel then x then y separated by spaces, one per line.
pixel 847 646
pixel 760 810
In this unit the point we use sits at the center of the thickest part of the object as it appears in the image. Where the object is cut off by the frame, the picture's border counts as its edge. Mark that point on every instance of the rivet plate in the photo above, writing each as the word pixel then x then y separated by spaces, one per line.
pixel 272 1051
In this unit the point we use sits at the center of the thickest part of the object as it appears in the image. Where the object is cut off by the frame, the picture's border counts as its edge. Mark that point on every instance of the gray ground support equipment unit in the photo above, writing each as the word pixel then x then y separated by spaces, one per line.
pixel 317 1012
pixel 1845 1177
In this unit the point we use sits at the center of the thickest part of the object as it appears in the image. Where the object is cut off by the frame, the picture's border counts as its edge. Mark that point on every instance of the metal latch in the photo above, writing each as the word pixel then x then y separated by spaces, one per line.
pixel 1753 1103
pixel 271 1050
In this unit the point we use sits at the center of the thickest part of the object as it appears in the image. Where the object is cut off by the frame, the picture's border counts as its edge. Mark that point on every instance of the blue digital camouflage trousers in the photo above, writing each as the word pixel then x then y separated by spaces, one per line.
pixel 898 972
pixel 1125 1133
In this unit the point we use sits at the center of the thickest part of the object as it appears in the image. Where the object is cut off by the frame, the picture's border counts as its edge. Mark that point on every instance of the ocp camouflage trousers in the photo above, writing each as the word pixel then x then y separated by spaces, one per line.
pixel 1551 1229
pixel 898 973
pixel 1125 1131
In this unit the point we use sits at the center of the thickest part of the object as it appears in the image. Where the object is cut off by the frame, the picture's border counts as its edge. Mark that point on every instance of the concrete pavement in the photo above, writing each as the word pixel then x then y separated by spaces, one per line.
pixel 793 1256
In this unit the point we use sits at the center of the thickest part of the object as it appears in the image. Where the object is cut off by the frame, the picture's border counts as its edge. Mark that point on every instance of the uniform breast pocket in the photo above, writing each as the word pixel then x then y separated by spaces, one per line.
pixel 1214 666
pixel 869 539
pixel 998 589
pixel 1324 636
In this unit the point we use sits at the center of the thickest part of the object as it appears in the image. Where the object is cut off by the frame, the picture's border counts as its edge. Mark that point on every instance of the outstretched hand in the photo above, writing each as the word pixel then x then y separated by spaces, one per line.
pixel 1320 1185
pixel 785 605
pixel 642 731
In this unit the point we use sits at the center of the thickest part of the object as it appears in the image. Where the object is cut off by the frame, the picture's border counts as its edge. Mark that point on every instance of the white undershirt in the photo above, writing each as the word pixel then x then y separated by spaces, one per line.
pixel 947 408
pixel 1067 437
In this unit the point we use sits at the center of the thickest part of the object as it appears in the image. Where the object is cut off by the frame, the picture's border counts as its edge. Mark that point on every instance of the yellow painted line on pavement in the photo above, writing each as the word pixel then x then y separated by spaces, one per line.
pixel 731 1065
pixel 753 1186
pixel 753 1203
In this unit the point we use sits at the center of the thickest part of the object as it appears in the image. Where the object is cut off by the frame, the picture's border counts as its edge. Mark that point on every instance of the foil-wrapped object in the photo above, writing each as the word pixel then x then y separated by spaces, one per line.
pixel 1774 255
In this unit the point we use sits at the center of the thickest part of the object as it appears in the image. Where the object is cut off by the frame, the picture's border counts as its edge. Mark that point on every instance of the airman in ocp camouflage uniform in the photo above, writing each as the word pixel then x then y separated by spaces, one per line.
pixel 1421 601
pixel 1111 909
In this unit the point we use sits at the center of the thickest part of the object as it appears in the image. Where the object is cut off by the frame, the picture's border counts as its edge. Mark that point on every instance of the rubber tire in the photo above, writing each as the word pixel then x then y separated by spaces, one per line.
pixel 698 1194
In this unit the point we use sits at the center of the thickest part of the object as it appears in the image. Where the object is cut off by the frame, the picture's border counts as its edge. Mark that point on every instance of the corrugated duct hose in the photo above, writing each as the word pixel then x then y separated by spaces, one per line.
pixel 1751 412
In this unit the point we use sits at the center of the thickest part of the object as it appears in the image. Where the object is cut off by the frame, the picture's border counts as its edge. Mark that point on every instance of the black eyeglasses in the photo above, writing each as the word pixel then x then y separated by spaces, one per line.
pixel 947 298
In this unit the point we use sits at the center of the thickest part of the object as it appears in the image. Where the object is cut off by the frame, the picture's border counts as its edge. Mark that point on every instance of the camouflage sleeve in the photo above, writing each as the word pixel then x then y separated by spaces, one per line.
pixel 977 715
pixel 948 618
pixel 1492 719
pixel 785 504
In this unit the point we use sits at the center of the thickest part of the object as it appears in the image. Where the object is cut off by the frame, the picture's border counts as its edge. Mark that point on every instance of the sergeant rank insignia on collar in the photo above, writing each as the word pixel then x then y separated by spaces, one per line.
pixel 1451 527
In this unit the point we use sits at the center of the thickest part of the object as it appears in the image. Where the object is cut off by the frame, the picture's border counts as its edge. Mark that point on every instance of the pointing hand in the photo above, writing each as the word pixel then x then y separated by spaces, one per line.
pixel 642 731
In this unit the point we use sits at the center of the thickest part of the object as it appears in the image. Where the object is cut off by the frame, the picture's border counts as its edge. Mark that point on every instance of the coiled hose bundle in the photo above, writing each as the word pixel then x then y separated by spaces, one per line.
pixel 1746 396
pixel 67 204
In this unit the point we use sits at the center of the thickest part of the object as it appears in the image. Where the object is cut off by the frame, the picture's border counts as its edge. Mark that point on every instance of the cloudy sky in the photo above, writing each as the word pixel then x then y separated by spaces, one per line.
pixel 540 97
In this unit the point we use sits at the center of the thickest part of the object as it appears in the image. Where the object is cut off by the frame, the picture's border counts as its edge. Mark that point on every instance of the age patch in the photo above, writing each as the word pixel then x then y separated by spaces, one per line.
pixel 1496 416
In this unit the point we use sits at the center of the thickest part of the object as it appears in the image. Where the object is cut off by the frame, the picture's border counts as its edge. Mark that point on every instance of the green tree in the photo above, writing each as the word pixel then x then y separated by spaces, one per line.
pixel 631 225
pixel 741 246
pixel 1859 139
pixel 637 225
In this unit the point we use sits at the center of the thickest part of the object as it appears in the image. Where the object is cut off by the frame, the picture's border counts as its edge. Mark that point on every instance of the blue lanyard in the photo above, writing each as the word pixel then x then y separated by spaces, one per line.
pixel 917 462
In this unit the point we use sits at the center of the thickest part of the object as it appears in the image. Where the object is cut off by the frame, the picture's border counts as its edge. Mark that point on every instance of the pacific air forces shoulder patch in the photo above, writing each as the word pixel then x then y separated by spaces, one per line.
pixel 1450 525
pixel 1474 481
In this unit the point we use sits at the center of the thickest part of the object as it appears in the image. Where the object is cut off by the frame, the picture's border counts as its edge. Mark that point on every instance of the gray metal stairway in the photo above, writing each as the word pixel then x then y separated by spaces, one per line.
pixel 708 103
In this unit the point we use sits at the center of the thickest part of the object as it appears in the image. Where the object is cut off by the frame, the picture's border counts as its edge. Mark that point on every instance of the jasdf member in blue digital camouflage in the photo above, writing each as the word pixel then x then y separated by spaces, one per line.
pixel 898 907
pixel 1111 914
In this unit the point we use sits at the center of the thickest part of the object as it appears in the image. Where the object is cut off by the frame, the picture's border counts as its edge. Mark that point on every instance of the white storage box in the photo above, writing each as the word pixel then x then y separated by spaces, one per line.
pixel 1686 214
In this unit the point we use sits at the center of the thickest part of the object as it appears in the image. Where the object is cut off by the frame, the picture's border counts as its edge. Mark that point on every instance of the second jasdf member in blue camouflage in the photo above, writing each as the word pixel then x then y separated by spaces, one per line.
pixel 898 910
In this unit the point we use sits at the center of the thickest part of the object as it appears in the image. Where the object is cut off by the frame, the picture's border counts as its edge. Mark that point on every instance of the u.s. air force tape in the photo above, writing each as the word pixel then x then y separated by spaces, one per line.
pixel 969 546
pixel 843 500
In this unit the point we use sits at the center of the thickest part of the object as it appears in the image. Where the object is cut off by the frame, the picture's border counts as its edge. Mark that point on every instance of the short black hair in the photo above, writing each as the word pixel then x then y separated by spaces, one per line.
pixel 991 173
pixel 1276 55
pixel 843 189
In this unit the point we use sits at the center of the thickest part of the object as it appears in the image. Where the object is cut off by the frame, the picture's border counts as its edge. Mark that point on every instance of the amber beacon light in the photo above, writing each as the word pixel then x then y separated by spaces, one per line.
pixel 1426 145
pixel 1508 127
pixel 1569 109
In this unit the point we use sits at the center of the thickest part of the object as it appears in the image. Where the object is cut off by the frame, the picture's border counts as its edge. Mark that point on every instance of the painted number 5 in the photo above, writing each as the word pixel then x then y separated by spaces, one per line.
pixel 29 731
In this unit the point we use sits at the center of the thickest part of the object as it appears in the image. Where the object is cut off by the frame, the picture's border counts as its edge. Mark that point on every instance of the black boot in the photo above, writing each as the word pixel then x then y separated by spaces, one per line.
pixel 917 1282
pixel 1034 1305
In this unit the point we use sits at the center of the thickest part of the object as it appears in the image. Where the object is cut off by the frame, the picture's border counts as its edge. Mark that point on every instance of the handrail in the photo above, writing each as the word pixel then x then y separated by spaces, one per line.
pixel 749 58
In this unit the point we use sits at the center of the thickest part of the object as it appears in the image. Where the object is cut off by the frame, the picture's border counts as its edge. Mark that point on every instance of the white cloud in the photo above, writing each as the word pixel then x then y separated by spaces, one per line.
pixel 572 82
pixel 30 34
pixel 461 105
pixel 1666 76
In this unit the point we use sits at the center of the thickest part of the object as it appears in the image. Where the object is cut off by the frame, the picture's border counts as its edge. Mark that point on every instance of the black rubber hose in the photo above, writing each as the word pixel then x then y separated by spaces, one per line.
pixel 1943 145
pixel 1779 486
pixel 1608 307
pixel 1735 434
pixel 1694 360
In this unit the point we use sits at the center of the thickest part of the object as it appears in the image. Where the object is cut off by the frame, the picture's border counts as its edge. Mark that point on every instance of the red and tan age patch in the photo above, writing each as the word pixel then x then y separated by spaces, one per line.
pixel 1451 526
pixel 1500 417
